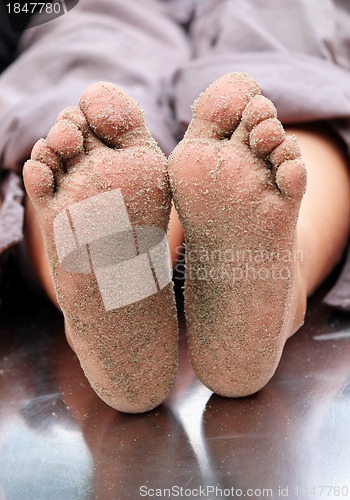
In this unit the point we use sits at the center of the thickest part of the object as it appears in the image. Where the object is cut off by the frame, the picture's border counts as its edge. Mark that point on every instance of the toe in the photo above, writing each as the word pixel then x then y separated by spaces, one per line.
pixel 42 152
pixel 74 115
pixel 266 136
pixel 258 109
pixel 291 179
pixel 39 182
pixel 218 111
pixel 287 150
pixel 65 139
pixel 114 116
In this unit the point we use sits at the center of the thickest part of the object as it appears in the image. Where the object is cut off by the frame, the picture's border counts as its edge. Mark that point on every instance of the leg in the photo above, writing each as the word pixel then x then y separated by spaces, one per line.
pixel 175 235
pixel 37 252
pixel 238 183
pixel 324 217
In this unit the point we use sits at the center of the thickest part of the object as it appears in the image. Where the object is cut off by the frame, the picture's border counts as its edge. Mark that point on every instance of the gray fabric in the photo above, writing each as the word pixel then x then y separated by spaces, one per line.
pixel 133 44
pixel 11 212
pixel 299 52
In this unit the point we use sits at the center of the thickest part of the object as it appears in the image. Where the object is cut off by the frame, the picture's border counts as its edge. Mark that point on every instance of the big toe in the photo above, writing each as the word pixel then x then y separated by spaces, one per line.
pixel 218 110
pixel 113 115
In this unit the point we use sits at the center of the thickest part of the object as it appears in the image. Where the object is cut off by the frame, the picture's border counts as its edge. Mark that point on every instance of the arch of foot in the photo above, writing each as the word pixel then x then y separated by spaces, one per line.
pixel 95 236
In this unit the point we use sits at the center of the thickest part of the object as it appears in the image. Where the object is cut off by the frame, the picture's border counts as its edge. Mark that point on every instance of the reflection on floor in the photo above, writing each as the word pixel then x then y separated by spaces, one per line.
pixel 59 441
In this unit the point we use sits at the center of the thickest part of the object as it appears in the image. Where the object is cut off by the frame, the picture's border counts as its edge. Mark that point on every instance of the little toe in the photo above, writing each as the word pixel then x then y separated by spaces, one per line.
pixel 266 136
pixel 218 111
pixel 39 182
pixel 113 115
pixel 291 179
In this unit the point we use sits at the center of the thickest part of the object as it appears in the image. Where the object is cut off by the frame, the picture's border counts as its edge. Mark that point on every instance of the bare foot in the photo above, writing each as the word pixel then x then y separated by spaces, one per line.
pixel 238 182
pixel 99 186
